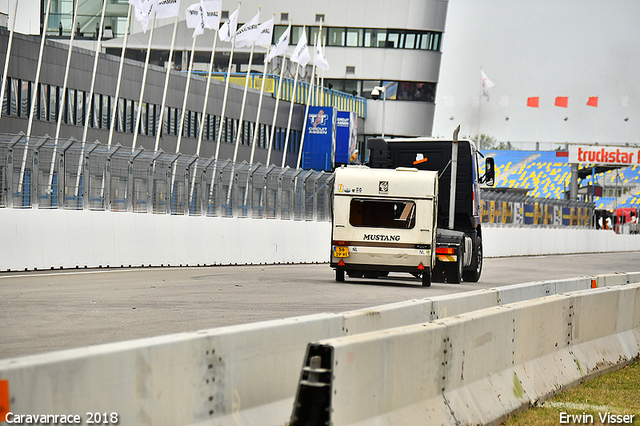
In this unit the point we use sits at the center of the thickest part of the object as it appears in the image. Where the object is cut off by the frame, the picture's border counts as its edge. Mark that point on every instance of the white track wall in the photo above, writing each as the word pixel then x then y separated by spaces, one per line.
pixel 44 239
pixel 500 242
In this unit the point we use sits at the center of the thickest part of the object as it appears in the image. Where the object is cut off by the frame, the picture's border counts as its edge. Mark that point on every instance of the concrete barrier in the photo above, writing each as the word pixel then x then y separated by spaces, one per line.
pixel 245 374
pixel 233 375
pixel 501 242
pixel 45 239
pixel 474 368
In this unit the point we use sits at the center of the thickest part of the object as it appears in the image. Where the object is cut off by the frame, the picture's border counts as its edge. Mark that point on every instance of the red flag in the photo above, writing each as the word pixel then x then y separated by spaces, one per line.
pixel 533 102
pixel 562 101
pixel 593 101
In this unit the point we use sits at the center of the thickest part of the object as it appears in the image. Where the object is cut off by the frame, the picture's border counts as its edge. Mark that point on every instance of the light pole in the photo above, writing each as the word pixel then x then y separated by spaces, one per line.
pixel 375 94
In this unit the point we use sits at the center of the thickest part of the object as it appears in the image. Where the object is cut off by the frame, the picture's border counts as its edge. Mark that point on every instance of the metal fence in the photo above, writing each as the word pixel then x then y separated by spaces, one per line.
pixel 69 174
pixel 503 209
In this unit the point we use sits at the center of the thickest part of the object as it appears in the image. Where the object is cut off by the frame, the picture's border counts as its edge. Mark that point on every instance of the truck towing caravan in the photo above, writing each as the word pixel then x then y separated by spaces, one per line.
pixel 453 223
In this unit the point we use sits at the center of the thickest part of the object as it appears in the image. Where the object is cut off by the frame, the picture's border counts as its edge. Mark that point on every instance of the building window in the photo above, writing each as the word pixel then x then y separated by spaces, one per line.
pixel 350 70
pixel 336 36
pixel 374 38
pixel 284 17
pixel 320 18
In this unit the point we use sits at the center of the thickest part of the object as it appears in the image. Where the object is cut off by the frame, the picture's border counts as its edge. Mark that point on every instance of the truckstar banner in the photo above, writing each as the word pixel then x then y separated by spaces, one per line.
pixel 597 154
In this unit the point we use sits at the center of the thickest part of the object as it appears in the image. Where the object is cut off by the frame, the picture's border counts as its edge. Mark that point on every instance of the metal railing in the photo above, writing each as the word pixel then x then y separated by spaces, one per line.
pixel 503 209
pixel 68 174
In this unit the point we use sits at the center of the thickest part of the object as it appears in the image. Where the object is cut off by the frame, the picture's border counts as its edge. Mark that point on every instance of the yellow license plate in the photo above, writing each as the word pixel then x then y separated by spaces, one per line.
pixel 341 251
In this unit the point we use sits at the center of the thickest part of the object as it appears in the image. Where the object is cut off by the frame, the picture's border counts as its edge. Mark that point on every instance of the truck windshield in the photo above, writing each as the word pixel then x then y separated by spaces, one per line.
pixel 382 213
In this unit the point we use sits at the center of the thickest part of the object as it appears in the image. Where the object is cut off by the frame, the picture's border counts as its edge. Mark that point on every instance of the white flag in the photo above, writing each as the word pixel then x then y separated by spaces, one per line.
pixel 248 33
pixel 168 8
pixel 486 84
pixel 195 17
pixel 144 12
pixel 321 61
pixel 624 101
pixel 281 45
pixel 213 10
pixel 265 33
pixel 301 52
pixel 229 28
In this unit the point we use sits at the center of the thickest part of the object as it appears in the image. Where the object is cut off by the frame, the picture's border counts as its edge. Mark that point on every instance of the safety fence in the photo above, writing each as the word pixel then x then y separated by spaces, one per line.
pixel 520 210
pixel 68 174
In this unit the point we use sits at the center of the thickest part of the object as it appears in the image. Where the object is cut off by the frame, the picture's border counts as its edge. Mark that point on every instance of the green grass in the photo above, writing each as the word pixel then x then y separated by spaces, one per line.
pixel 617 393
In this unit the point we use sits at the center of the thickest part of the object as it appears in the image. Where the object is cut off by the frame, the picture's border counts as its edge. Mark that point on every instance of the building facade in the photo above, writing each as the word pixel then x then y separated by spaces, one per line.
pixel 396 45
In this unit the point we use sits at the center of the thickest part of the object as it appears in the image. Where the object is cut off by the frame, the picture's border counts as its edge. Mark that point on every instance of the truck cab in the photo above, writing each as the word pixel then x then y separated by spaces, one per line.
pixel 384 220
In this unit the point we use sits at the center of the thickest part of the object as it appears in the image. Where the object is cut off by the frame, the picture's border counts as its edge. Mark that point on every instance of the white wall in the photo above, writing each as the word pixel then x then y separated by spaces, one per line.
pixel 498 242
pixel 45 239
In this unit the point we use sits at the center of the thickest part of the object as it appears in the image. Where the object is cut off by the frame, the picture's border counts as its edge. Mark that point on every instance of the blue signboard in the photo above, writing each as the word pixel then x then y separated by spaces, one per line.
pixel 319 139
pixel 566 216
pixel 346 137
pixel 528 214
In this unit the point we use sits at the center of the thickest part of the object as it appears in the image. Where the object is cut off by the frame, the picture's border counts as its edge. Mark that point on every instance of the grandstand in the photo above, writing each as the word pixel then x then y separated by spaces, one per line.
pixel 547 174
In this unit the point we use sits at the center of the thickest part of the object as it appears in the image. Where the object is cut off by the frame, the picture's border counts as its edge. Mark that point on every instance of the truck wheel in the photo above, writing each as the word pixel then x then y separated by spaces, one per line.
pixel 340 275
pixel 426 279
pixel 475 269
pixel 454 269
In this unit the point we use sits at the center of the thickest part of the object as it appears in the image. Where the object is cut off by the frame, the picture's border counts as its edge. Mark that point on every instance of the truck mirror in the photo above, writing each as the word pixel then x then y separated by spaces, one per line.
pixel 489 171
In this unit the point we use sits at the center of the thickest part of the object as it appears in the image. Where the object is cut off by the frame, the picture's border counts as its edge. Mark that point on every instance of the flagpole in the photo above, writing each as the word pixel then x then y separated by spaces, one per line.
pixel 184 110
pixel 166 84
pixel 324 43
pixel 241 126
pixel 226 93
pixel 204 111
pixel 115 109
pixel 275 111
pixel 33 96
pixel 8 55
pixel 64 96
pixel 144 81
pixel 224 106
pixel 257 127
pixel 292 100
pixel 306 112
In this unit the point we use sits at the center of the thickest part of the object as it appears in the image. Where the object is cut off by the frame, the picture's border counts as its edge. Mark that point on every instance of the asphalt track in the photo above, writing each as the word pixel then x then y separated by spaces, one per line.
pixel 51 310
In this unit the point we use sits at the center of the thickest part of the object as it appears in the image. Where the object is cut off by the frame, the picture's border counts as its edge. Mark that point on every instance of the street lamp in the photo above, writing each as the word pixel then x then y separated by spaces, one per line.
pixel 375 94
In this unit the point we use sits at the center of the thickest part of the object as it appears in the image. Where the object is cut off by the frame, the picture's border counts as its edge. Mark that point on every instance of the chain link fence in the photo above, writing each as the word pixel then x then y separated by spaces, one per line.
pixel 68 174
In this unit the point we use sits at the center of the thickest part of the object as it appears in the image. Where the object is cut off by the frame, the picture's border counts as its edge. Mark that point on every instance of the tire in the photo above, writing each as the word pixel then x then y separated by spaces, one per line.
pixel 454 269
pixel 340 275
pixel 475 269
pixel 426 278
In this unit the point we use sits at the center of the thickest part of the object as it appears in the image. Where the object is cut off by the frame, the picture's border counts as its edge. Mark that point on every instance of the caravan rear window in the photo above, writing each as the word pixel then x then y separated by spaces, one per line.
pixel 382 213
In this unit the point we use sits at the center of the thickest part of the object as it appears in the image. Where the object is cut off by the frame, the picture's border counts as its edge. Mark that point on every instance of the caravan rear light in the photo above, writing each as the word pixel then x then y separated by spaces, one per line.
pixel 445 250
pixel 341 243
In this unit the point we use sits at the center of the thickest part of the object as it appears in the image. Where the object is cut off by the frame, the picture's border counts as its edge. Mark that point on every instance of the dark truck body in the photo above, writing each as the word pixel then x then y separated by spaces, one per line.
pixel 458 248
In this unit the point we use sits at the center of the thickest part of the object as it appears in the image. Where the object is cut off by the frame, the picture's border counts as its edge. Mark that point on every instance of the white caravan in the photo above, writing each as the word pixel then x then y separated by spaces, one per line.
pixel 384 220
